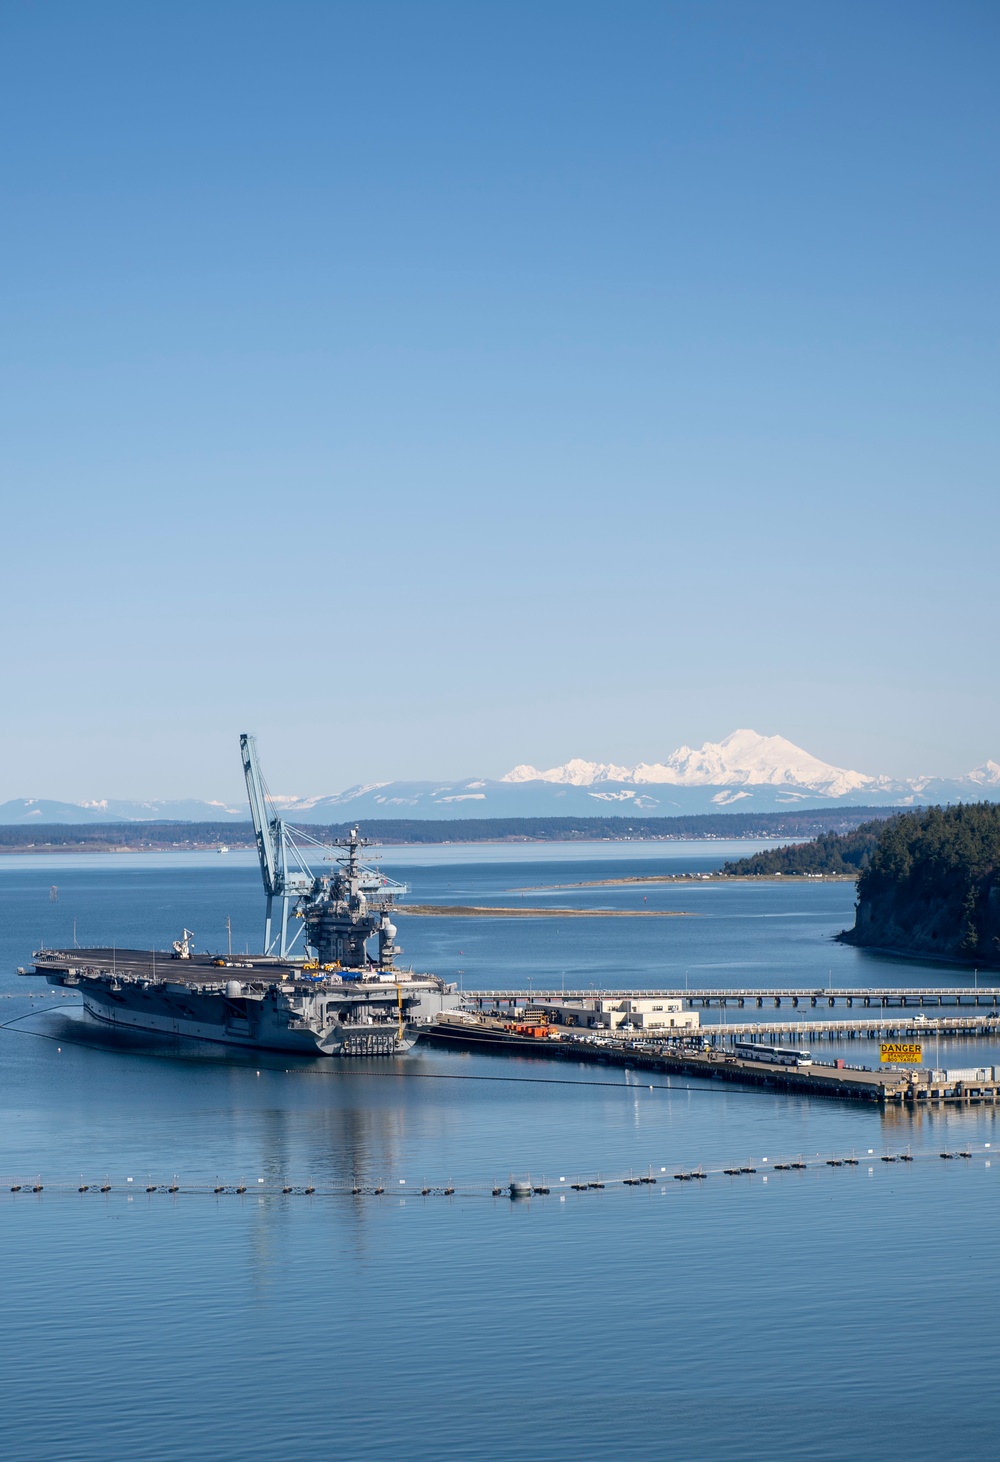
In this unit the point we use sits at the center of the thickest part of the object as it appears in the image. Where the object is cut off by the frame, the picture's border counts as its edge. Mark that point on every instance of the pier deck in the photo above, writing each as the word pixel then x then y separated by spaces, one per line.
pixel 902 1087
pixel 975 996
pixel 873 1027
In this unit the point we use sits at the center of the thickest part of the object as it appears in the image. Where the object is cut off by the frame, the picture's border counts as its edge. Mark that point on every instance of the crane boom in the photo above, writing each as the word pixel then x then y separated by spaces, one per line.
pixel 349 907
pixel 263 825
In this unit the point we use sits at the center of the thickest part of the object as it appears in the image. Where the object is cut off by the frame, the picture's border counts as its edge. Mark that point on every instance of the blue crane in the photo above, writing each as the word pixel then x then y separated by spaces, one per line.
pixel 284 870
pixel 339 913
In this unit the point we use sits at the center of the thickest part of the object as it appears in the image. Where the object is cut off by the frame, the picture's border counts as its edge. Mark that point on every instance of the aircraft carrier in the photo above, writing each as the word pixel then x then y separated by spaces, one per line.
pixel 335 997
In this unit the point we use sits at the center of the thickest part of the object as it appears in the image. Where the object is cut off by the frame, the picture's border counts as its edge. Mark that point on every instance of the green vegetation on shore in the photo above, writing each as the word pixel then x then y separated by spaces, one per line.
pixel 843 854
pixel 932 886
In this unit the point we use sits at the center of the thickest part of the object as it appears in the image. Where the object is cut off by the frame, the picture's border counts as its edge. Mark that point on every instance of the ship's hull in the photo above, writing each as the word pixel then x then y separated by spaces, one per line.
pixel 171 1019
pixel 258 1003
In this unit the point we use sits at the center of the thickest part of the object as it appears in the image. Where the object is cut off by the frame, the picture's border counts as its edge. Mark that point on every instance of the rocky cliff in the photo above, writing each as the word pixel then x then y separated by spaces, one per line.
pixel 932 887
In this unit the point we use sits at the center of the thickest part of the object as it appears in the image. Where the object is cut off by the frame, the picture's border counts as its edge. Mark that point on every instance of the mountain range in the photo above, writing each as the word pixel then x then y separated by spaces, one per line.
pixel 745 769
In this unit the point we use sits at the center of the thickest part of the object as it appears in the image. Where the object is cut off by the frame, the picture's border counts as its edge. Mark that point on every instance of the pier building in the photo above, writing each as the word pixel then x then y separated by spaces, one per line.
pixel 617 1012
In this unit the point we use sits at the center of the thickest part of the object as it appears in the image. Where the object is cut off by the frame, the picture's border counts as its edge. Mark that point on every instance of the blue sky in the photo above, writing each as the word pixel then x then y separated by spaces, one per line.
pixel 430 387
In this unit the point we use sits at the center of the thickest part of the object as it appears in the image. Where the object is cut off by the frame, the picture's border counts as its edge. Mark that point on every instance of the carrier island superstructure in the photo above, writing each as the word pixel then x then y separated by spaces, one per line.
pixel 327 980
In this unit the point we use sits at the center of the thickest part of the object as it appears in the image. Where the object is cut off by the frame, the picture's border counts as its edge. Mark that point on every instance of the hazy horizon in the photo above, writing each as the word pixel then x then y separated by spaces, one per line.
pixel 283 791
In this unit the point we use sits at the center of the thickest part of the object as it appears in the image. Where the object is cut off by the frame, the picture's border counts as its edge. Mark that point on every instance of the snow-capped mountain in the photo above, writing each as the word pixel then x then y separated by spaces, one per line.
pixel 25 810
pixel 575 773
pixel 988 775
pixel 745 769
pixel 742 759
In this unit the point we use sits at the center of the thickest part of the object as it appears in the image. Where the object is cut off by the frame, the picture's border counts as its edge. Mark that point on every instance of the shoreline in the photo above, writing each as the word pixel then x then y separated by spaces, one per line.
pixel 921 957
pixel 48 849
pixel 472 911
pixel 669 878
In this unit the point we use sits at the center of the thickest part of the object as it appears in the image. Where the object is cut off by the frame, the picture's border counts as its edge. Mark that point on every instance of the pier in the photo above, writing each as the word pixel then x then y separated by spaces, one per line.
pixel 871 1027
pixel 902 1086
pixel 971 996
pixel 878 1014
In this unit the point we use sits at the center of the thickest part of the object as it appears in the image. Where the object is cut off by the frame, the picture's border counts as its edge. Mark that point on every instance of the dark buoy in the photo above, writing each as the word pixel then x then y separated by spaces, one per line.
pixel 83 1187
pixel 218 1189
pixel 242 1188
pixel 449 1191
pixel 424 1192
pixel 37 1188
pixel 356 1192
pixel 497 1192
pixel 310 1190
pixel 16 1188
pixel 172 1188
pixel 378 1190
pixel 151 1188
pixel 286 1190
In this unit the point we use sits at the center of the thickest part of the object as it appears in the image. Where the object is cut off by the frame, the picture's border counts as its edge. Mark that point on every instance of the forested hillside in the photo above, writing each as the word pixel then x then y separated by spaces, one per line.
pixel 932 885
pixel 839 853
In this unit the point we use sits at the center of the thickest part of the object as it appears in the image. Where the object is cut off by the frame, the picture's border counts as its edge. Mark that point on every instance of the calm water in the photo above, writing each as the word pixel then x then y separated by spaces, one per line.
pixel 823 1314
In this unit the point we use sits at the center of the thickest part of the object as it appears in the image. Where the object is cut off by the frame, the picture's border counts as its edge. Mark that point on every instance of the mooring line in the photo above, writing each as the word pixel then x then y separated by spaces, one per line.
pixel 530 1080
pixel 45 1010
pixel 64 1040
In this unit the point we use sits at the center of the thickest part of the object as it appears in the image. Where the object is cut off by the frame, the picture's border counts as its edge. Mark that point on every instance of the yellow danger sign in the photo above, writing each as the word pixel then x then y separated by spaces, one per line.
pixel 892 1054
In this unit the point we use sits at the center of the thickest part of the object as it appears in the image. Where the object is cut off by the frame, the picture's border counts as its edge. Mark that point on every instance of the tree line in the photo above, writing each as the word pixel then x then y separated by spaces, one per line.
pixel 831 852
pixel 165 834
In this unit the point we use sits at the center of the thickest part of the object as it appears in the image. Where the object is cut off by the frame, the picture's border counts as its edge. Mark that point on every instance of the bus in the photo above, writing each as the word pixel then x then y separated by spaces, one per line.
pixel 776 1055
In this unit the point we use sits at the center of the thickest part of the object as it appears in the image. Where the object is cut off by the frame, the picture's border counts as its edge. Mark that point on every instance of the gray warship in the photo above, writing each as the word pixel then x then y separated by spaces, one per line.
pixel 335 996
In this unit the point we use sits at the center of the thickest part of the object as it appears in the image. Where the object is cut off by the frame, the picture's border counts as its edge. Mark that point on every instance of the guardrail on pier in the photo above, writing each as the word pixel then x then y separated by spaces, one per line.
pixel 883 998
pixel 872 1027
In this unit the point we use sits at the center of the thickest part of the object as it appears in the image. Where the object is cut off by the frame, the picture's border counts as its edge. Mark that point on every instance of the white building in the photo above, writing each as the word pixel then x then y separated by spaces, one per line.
pixel 611 1012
